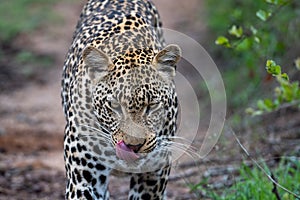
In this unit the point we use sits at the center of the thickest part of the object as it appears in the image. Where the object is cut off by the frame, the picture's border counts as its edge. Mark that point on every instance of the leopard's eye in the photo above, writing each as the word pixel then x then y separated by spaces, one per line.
pixel 152 107
pixel 114 105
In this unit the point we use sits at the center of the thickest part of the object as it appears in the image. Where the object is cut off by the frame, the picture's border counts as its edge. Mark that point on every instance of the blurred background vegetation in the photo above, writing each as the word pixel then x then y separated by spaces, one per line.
pixel 244 64
pixel 22 16
pixel 258 50
pixel 19 64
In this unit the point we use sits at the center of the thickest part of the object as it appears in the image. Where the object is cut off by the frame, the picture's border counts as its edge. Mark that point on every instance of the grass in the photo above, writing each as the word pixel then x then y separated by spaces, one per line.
pixel 31 62
pixel 23 17
pixel 19 16
pixel 252 183
pixel 255 184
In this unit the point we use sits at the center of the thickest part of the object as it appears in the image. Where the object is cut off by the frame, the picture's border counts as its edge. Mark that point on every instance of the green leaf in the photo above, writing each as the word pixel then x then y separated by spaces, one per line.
pixel 285 76
pixel 282 2
pixel 252 112
pixel 253 30
pixel 257 112
pixel 236 31
pixel 273 68
pixel 276 103
pixel 275 2
pixel 260 104
pixel 276 70
pixel 295 89
pixel 244 45
pixel 283 79
pixel 263 15
pixel 249 111
pixel 256 39
pixel 223 41
pixel 269 104
pixel 265 105
pixel 287 196
pixel 270 63
pixel 297 63
pixel 277 91
pixel 287 93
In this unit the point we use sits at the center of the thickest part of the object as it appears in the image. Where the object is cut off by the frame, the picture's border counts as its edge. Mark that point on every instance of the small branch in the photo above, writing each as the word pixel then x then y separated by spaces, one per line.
pixel 284 105
pixel 274 190
pixel 261 168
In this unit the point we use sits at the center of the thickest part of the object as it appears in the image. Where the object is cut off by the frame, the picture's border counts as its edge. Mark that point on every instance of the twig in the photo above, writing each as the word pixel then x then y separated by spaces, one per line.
pixel 274 190
pixel 261 168
pixel 283 106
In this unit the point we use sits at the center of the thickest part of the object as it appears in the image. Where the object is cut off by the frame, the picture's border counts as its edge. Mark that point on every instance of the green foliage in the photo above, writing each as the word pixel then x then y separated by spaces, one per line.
pixel 236 31
pixel 263 15
pixel 297 63
pixel 255 185
pixel 252 183
pixel 286 92
pixel 223 41
pixel 256 31
pixel 17 16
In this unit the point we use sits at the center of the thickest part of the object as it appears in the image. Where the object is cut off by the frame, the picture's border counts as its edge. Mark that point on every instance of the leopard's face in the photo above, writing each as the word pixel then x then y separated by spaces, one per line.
pixel 134 109
pixel 134 98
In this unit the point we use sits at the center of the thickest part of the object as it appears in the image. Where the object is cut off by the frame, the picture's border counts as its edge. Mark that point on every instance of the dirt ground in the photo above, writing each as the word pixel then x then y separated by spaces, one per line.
pixel 32 122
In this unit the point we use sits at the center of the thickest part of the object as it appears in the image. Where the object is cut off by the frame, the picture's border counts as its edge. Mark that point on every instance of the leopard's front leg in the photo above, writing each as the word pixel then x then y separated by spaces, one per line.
pixel 85 183
pixel 150 185
pixel 87 178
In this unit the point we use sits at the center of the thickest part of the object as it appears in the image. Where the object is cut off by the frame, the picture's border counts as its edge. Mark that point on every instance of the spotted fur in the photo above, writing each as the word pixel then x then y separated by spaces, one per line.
pixel 118 86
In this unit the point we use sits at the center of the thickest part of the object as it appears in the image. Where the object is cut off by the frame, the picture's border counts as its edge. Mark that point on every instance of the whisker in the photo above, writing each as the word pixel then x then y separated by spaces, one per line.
pixel 103 128
pixel 178 137
pixel 90 127
pixel 99 133
pixel 181 141
pixel 183 147
pixel 186 143
pixel 177 148
pixel 194 155
pixel 97 136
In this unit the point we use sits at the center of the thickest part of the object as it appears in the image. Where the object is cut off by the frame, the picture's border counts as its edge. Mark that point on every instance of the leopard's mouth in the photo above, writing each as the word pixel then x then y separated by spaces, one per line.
pixel 126 153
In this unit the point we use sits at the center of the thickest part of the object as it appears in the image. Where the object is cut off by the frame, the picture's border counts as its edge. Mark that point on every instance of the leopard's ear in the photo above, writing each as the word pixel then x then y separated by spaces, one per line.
pixel 97 63
pixel 165 61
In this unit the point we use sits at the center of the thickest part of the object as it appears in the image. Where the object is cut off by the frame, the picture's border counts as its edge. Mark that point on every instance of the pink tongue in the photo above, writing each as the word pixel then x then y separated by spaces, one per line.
pixel 125 153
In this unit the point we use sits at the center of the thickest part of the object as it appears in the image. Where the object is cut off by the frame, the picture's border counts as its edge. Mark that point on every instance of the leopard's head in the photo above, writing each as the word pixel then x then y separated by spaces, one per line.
pixel 133 97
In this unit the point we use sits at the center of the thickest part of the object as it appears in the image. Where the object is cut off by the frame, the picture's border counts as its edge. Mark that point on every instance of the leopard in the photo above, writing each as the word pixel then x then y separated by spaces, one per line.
pixel 119 100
